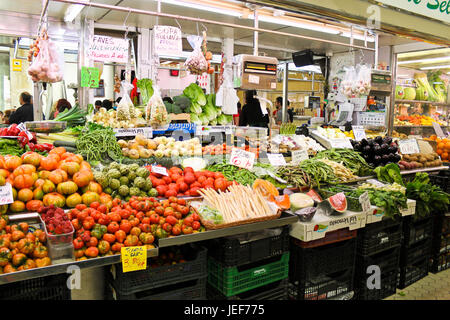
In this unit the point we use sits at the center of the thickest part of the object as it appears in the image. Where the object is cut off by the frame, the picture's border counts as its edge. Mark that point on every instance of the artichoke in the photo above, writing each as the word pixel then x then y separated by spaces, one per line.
pixel 123 191
pixel 108 190
pixel 124 170
pixel 101 179
pixel 114 184
pixel 139 182
pixel 142 172
pixel 134 191
pixel 142 194
pixel 113 174
pixel 152 193
pixel 114 165
pixel 123 181
pixel 127 198
pixel 131 176
pixel 148 185
pixel 133 167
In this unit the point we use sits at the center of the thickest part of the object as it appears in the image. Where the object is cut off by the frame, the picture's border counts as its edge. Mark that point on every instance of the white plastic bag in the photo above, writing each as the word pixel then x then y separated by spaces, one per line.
pixel 196 62
pixel 156 110
pixel 226 96
pixel 48 64
pixel 363 82
pixel 125 104
pixel 348 84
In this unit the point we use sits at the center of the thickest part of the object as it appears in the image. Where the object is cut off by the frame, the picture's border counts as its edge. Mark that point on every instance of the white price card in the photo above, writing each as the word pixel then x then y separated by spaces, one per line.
pixel 160 170
pixel 131 132
pixel 359 133
pixel 21 126
pixel 437 128
pixel 365 202
pixel 276 159
pixel 342 128
pixel 6 194
pixel 298 156
pixel 341 143
pixel 241 158
pixel 253 79
pixel 408 146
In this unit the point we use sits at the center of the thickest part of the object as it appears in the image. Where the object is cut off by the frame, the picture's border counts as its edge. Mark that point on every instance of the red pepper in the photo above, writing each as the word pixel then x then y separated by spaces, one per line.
pixel 39 147
pixel 23 141
pixel 4 132
pixel 48 146
pixel 32 146
pixel 34 140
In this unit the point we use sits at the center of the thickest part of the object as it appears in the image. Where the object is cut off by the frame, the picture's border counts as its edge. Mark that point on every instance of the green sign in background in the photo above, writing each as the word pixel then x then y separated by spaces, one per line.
pixel 90 77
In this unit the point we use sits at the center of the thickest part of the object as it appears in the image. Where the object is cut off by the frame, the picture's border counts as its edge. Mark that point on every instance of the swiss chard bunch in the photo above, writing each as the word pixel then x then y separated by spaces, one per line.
pixel 389 173
pixel 390 201
pixel 429 198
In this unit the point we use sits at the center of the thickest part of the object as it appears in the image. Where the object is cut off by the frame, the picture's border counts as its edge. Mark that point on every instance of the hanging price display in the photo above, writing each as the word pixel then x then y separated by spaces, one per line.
pixel 160 170
pixel 133 258
pixel 90 77
pixel 276 159
pixel 298 156
pixel 242 159
pixel 6 194
pixel 359 133
pixel 365 202
pixel 408 146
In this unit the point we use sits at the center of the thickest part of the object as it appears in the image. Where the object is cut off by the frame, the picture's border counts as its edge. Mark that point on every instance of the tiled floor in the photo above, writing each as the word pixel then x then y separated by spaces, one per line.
pixel 432 287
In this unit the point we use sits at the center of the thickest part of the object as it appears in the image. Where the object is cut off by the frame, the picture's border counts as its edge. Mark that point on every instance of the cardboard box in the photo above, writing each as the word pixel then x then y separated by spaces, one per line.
pixel 376 214
pixel 320 225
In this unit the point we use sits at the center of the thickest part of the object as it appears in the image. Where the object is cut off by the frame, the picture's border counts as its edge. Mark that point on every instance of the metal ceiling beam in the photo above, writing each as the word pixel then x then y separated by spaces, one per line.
pixel 224 24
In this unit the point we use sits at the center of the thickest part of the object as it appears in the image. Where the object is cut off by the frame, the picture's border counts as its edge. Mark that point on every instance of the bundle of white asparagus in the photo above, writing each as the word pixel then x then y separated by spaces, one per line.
pixel 240 203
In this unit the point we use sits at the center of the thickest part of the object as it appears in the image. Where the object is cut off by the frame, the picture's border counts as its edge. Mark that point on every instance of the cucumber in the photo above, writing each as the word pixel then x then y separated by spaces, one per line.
pixel 70 149
pixel 61 143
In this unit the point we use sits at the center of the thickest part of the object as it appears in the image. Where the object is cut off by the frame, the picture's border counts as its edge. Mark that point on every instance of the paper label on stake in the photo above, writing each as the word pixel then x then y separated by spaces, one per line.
pixel 437 128
pixel 160 170
pixel 276 159
pixel 365 202
pixel 6 194
pixel 147 132
pixel 408 146
pixel 133 258
pixel 341 143
pixel 359 133
pixel 298 156
pixel 242 159
pixel 253 79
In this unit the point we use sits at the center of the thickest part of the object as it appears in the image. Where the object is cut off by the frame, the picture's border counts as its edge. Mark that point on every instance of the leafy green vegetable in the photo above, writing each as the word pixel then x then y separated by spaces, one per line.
pixel 182 101
pixel 422 81
pixel 195 119
pixel 349 158
pixel 319 171
pixel 146 88
pixel 389 173
pixel 390 201
pixel 195 94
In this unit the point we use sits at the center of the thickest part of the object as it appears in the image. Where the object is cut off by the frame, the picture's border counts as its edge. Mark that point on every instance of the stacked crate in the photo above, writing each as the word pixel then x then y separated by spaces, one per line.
pixel 252 266
pixel 181 281
pixel 323 269
pixel 416 250
pixel 44 288
pixel 378 247
pixel 440 255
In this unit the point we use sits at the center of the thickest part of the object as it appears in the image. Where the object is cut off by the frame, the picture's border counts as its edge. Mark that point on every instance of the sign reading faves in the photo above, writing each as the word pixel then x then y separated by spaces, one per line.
pixel 108 49
pixel 435 9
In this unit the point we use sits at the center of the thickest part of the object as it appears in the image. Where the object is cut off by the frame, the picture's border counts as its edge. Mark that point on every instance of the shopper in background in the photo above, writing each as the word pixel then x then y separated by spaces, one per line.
pixel 25 111
pixel 7 115
pixel 97 105
pixel 289 111
pixel 107 104
pixel 61 105
pixel 237 115
pixel 252 114
pixel 2 117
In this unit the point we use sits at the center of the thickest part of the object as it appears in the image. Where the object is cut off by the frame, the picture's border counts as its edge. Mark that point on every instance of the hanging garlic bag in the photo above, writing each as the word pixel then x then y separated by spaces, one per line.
pixel 123 109
pixel 348 84
pixel 156 110
pixel 47 66
pixel 363 82
pixel 196 62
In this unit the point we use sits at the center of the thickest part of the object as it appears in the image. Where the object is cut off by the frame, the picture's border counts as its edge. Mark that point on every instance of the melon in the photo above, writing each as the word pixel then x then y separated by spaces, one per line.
pixel 300 201
pixel 410 93
pixel 338 202
pixel 314 195
pixel 399 93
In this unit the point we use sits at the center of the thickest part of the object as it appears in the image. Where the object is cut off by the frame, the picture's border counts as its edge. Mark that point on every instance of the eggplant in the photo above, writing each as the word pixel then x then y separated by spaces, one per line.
pixel 384 148
pixel 397 157
pixel 392 157
pixel 370 142
pixel 306 214
pixel 366 156
pixel 357 147
pixel 387 140
pixel 377 159
pixel 385 157
pixel 379 139
pixel 367 149
pixel 377 150
pixel 394 148
pixel 363 142
pixel 353 142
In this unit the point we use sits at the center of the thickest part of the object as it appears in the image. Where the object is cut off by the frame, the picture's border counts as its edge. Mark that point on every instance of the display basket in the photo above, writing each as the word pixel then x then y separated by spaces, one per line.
pixel 388 287
pixel 249 247
pixel 440 262
pixel 209 225
pixel 413 273
pixel 359 103
pixel 231 281
pixel 387 261
pixel 416 252
pixel 60 246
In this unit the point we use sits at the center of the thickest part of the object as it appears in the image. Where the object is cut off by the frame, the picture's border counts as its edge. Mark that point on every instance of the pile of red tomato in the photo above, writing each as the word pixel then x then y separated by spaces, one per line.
pixel 102 232
pixel 186 182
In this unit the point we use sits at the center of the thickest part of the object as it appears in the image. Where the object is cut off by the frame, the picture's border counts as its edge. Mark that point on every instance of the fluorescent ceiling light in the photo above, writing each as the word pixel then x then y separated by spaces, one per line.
pixel 424 60
pixel 358 36
pixel 72 12
pixel 203 7
pixel 435 67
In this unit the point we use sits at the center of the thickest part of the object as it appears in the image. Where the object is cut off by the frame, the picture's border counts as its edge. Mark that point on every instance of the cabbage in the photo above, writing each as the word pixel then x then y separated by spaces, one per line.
pixel 198 164
pixel 195 119
pixel 223 119
pixel 410 93
pixel 196 108
pixel 195 94
pixel 203 118
pixel 218 111
pixel 399 93
pixel 210 112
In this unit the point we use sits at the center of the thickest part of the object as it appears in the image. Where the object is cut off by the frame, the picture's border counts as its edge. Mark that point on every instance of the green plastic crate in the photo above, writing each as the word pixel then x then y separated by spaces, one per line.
pixel 230 281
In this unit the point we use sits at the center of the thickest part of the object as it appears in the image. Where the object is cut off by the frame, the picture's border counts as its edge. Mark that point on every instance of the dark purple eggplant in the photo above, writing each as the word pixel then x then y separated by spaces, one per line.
pixel 379 139
pixel 385 157
pixel 377 159
pixel 377 150
pixel 384 148
pixel 367 149
pixel 363 142
pixel 387 140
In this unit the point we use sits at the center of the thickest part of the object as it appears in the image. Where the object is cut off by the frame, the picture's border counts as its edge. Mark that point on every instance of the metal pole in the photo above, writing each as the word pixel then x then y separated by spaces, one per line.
pixel 312 82
pixel 159 11
pixel 43 13
pixel 391 105
pixel 225 24
pixel 376 52
pixel 255 33
pixel 285 92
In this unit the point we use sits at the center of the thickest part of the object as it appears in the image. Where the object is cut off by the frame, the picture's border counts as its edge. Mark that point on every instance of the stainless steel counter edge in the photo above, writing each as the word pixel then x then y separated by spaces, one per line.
pixel 285 219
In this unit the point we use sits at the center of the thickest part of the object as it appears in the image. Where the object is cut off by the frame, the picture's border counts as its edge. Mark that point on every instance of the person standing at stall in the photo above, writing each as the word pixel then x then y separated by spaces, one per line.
pixel 251 114
pixel 25 111
pixel 61 105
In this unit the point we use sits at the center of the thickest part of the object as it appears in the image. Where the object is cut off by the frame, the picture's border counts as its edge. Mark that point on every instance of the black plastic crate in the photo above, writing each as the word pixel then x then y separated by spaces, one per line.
pixel 273 291
pixel 414 253
pixel 415 231
pixel 412 273
pixel 307 263
pixel 250 247
pixel 45 288
pixel 187 290
pixel 388 287
pixel 441 180
pixel 387 261
pixel 322 287
pixel 380 236
pixel 440 262
pixel 153 277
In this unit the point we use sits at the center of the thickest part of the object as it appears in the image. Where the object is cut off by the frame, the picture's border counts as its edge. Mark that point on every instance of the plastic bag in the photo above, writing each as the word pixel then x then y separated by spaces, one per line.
pixel 196 62
pixel 48 65
pixel 363 81
pixel 125 104
pixel 348 84
pixel 227 97
pixel 156 110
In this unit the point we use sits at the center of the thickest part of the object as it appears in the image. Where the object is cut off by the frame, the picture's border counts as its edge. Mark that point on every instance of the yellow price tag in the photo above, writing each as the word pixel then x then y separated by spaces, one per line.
pixel 133 258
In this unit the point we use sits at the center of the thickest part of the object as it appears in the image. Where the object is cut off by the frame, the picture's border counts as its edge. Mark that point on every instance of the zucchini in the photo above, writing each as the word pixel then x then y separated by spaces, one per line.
pixel 61 143
pixel 70 149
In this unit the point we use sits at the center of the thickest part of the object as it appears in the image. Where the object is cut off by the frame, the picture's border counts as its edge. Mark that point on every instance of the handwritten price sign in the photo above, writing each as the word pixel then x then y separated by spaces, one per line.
pixel 276 159
pixel 365 202
pixel 299 156
pixel 6 194
pixel 359 133
pixel 242 159
pixel 160 170
pixel 408 146
pixel 134 258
